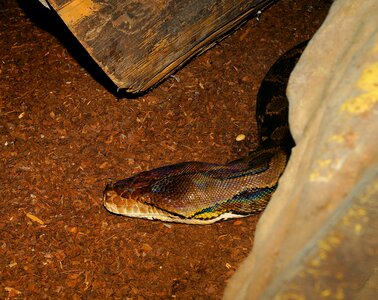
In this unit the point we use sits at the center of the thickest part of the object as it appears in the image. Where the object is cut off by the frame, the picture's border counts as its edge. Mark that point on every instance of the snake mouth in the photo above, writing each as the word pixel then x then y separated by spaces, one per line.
pixel 127 206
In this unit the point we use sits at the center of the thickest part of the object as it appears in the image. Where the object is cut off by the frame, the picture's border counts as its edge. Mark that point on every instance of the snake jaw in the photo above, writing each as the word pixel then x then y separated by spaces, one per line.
pixel 127 206
pixel 131 197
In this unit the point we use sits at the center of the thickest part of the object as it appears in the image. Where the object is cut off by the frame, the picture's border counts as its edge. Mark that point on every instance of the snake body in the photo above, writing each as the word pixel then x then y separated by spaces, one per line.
pixel 203 193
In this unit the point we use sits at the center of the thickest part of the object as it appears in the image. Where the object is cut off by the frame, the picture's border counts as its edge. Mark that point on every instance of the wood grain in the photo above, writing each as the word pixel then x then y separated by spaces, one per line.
pixel 140 42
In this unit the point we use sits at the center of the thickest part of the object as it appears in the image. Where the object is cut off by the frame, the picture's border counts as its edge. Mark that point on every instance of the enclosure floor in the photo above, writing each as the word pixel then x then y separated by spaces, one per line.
pixel 65 133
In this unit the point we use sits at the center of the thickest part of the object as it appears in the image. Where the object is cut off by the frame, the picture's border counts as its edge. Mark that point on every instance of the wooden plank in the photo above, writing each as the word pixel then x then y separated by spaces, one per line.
pixel 139 42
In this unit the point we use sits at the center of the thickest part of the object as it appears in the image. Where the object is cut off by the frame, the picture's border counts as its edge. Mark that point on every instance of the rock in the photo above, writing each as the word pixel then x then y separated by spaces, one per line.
pixel 316 238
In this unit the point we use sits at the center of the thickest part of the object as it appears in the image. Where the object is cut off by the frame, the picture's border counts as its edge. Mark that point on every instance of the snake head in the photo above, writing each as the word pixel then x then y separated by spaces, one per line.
pixel 199 193
pixel 130 197
pixel 164 194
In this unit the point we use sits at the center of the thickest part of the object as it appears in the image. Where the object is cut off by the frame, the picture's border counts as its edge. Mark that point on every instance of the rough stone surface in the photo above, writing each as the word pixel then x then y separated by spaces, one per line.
pixel 333 95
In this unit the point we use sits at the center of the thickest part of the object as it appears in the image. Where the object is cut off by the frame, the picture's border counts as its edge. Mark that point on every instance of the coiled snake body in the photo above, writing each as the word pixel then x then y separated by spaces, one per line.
pixel 203 193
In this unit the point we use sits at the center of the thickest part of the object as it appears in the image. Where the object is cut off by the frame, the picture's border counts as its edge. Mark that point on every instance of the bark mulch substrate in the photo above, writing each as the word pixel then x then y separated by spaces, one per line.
pixel 65 134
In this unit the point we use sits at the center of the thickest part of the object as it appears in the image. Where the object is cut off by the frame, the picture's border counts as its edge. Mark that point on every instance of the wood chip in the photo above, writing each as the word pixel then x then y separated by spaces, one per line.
pixel 12 292
pixel 35 219
pixel 240 137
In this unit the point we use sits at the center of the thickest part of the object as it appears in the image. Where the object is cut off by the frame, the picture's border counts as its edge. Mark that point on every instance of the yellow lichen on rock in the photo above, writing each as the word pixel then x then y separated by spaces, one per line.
pixel 367 100
pixel 322 171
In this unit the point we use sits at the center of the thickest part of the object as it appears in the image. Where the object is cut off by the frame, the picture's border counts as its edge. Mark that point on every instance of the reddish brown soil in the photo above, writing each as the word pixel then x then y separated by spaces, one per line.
pixel 65 134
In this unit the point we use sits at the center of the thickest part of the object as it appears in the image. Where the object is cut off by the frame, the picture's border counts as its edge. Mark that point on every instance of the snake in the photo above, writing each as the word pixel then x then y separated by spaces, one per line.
pixel 204 193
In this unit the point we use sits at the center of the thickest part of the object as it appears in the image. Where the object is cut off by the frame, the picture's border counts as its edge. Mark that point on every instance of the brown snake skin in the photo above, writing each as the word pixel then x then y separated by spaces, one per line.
pixel 203 193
